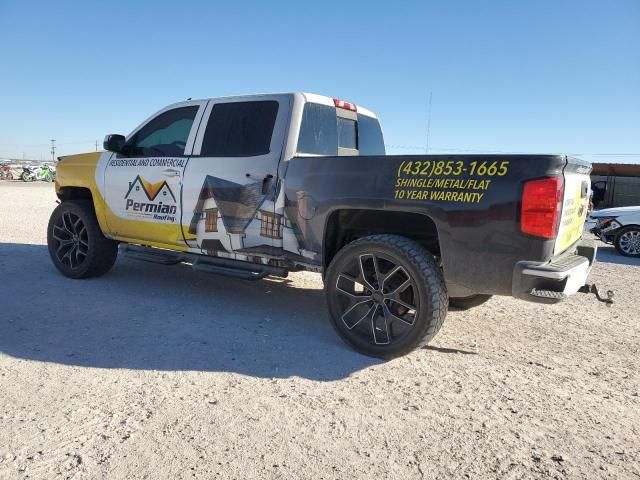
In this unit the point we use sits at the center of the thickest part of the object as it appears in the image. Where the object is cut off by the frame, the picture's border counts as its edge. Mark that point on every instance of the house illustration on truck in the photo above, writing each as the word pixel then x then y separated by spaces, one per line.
pixel 231 217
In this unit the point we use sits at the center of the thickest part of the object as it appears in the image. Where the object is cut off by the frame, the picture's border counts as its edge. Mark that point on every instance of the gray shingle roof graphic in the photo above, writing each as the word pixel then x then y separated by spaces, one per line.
pixel 237 204
pixel 213 244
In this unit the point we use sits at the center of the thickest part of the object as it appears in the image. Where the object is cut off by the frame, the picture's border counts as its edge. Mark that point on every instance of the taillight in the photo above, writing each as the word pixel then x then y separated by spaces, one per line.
pixel 345 105
pixel 542 206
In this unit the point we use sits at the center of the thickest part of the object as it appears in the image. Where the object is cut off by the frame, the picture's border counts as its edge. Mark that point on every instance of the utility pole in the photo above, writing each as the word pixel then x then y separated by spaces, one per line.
pixel 429 122
pixel 96 145
pixel 53 150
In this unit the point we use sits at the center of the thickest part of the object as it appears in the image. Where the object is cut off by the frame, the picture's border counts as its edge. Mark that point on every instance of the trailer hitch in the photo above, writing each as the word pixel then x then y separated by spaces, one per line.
pixel 593 289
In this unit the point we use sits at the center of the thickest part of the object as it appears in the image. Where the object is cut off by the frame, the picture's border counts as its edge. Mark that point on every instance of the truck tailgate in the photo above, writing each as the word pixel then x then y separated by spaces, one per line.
pixel 575 203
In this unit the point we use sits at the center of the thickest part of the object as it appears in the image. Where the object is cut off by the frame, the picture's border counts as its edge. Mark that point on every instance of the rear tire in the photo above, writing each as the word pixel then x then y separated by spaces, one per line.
pixel 386 295
pixel 627 242
pixel 465 303
pixel 76 244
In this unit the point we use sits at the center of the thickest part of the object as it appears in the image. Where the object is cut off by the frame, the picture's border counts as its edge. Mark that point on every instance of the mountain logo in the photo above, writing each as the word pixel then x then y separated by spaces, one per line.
pixel 148 199
pixel 151 190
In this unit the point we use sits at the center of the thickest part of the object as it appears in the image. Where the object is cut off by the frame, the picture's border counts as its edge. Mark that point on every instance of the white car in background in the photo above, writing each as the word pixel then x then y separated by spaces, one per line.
pixel 619 227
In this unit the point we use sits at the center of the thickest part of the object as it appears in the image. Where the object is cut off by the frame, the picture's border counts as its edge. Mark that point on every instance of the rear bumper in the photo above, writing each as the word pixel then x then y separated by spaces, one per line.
pixel 553 281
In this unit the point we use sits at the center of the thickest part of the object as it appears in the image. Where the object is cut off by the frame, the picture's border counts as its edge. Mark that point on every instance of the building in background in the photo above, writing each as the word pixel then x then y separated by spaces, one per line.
pixel 615 185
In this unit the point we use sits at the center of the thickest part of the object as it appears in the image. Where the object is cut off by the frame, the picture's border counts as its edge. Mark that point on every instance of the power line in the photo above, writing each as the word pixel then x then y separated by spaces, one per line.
pixel 609 154
pixel 477 150
pixel 45 144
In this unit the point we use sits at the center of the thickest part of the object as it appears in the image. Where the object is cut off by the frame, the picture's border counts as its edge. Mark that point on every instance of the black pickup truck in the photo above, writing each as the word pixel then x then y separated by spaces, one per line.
pixel 267 184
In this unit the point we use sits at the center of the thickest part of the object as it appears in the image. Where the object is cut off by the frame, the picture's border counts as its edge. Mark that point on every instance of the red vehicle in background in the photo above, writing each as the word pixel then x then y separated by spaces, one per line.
pixel 5 172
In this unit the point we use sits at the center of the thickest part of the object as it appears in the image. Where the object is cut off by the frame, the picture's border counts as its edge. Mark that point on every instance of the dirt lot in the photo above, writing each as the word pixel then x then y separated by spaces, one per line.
pixel 159 372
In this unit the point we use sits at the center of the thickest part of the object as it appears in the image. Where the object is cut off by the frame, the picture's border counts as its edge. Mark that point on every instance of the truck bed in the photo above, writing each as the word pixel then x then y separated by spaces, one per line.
pixel 474 201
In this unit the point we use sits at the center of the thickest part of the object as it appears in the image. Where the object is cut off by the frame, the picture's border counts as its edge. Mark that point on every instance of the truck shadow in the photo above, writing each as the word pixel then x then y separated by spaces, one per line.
pixel 147 316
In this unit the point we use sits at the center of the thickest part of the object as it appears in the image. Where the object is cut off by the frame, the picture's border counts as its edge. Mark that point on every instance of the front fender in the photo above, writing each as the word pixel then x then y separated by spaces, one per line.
pixel 79 171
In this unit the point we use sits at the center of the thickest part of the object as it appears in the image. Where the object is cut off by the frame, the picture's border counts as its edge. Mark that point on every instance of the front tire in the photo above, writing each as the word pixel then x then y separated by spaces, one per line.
pixel 386 295
pixel 76 244
pixel 627 242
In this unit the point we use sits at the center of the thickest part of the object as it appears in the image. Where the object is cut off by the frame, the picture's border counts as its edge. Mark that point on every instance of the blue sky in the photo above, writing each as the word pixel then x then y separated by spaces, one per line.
pixel 506 76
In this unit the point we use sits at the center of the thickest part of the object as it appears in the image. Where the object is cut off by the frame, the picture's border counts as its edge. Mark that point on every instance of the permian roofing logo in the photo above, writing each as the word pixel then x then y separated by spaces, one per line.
pixel 151 199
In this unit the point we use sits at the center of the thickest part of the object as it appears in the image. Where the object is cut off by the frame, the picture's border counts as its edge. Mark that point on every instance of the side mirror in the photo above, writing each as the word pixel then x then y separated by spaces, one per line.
pixel 114 143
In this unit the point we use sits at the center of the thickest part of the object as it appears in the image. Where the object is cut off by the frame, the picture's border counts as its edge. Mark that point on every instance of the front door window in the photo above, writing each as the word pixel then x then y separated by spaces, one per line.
pixel 164 136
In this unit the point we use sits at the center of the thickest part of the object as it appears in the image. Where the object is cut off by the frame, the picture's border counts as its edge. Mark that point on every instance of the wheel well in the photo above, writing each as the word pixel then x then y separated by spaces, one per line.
pixel 74 193
pixel 617 232
pixel 345 226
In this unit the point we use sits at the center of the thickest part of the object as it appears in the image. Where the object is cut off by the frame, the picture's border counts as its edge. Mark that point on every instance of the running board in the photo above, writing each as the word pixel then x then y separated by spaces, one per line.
pixel 236 268
pixel 202 263
pixel 153 255
pixel 228 272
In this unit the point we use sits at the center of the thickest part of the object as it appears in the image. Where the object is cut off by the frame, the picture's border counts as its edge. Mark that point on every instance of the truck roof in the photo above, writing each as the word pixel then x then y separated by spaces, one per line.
pixel 324 100
pixel 307 97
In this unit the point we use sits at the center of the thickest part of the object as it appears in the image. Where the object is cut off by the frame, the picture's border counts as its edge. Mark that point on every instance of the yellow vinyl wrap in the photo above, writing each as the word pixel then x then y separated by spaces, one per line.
pixel 573 218
pixel 80 171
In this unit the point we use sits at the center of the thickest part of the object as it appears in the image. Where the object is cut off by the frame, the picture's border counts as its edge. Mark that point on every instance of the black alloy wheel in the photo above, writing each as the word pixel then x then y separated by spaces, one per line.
pixel 378 296
pixel 386 295
pixel 71 240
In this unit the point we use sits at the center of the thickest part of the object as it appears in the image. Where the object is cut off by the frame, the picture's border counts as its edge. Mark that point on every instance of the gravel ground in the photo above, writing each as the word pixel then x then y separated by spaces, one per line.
pixel 160 372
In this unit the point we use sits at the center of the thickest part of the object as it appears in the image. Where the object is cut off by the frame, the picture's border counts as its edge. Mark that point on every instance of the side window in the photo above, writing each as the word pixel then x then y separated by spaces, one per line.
pixel 370 140
pixel 240 129
pixel 318 131
pixel 164 136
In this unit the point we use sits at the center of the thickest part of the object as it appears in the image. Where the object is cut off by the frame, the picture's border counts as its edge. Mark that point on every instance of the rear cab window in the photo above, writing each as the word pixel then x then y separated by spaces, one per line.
pixel 330 131
pixel 318 130
pixel 347 133
pixel 370 139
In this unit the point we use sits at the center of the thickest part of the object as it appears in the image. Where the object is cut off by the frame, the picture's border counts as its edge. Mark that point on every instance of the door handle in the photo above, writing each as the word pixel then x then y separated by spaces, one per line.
pixel 266 184
pixel 258 175
pixel 267 180
pixel 170 172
